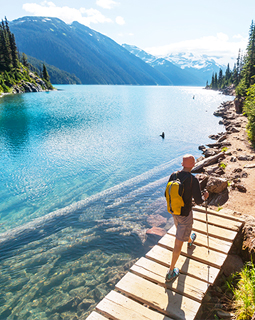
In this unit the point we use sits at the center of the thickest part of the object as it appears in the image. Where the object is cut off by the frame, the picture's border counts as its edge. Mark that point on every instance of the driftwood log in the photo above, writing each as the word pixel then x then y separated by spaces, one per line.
pixel 207 162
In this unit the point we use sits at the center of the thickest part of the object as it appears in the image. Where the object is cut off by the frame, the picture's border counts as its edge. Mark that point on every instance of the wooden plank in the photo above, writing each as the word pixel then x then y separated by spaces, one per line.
pixel 119 307
pixel 201 239
pixel 217 221
pixel 96 316
pixel 186 265
pixel 224 213
pixel 159 298
pixel 199 253
pixel 155 272
pixel 214 231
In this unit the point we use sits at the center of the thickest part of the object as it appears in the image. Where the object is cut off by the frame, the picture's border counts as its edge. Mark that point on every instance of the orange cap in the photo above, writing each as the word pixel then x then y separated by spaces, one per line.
pixel 188 161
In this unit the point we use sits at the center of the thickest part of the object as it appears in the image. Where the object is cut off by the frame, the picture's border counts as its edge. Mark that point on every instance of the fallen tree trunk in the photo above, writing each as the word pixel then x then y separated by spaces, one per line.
pixel 207 162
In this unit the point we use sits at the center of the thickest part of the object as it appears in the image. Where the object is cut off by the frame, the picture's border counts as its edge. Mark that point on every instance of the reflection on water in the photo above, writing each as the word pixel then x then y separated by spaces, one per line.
pixel 14 123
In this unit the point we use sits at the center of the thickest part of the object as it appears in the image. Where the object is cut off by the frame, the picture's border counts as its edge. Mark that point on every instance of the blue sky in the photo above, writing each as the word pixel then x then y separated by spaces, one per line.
pixel 215 28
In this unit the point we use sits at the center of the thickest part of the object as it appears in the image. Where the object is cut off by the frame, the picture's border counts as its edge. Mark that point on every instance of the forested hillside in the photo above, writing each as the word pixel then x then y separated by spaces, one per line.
pixel 243 78
pixel 15 76
pixel 57 76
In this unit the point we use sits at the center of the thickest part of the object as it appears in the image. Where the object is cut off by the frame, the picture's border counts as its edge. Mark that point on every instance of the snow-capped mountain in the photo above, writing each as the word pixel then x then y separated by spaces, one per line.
pixel 189 60
pixel 173 72
pixel 200 67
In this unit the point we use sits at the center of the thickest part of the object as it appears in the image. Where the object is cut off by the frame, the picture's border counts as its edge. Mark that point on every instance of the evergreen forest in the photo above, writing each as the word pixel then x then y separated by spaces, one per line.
pixel 14 68
pixel 243 78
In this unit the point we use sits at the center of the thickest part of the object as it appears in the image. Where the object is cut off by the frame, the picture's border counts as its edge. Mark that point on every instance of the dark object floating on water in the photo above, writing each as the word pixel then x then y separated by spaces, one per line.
pixel 162 135
pixel 193 97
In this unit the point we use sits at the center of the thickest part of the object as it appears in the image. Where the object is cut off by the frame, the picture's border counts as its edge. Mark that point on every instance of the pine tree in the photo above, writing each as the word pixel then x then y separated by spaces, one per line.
pixel 14 51
pixel 6 48
pixel 247 65
pixel 227 74
pixel 251 57
pixel 235 75
pixel 2 44
pixel 220 80
pixel 24 60
pixel 238 65
pixel 215 81
pixel 45 74
pixel 212 83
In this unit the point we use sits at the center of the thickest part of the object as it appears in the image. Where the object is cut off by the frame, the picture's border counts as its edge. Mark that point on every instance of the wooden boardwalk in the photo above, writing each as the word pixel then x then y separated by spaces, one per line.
pixel 143 294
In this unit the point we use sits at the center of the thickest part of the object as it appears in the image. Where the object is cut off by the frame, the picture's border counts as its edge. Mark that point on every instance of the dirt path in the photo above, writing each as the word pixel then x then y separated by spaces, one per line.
pixel 242 202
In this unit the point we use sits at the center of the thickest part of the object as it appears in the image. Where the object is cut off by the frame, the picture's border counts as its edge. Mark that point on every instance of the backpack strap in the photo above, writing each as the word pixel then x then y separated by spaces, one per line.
pixel 170 202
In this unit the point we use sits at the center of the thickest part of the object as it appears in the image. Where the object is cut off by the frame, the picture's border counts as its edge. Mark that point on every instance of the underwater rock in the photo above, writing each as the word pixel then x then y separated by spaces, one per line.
pixel 156 220
pixel 156 231
pixel 98 293
pixel 67 304
pixel 80 292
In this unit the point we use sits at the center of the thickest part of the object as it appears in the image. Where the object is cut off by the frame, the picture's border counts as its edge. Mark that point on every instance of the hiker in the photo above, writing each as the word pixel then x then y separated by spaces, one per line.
pixel 184 220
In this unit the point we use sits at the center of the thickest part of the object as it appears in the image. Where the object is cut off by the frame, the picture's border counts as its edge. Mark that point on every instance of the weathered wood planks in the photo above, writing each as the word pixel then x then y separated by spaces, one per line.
pixel 199 253
pixel 143 293
pixel 186 285
pixel 96 316
pixel 225 213
pixel 217 220
pixel 118 306
pixel 186 265
pixel 164 300
pixel 214 231
pixel 201 239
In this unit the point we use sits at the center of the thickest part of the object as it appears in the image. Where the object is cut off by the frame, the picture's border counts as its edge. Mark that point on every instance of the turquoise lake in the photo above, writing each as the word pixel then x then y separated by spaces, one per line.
pixel 82 169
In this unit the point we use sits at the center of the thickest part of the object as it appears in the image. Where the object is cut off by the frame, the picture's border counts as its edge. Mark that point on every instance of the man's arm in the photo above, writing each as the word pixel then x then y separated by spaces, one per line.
pixel 199 199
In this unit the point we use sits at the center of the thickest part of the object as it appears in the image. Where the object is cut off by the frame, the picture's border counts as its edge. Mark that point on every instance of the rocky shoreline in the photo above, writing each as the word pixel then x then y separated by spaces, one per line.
pixel 38 85
pixel 213 167
pixel 227 171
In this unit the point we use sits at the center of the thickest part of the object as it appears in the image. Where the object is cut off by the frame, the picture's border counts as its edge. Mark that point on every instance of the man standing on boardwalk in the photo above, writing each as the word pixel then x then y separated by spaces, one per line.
pixel 184 221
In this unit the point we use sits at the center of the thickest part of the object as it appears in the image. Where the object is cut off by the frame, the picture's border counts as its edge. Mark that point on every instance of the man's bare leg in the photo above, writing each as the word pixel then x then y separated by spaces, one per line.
pixel 176 253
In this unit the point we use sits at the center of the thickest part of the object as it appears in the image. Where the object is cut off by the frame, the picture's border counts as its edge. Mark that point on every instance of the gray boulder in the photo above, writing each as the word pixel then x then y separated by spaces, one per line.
pixel 245 157
pixel 218 199
pixel 216 184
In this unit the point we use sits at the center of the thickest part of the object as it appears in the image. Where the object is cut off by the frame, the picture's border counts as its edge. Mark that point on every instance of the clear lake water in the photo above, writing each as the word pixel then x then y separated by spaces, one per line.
pixel 83 173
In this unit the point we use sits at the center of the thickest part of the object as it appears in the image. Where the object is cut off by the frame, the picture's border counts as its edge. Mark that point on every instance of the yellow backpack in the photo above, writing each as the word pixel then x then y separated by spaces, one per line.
pixel 174 192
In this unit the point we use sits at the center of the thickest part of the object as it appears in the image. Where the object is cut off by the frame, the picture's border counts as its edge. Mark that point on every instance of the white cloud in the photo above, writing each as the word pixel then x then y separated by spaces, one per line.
pixel 106 4
pixel 67 14
pixel 237 36
pixel 120 20
pixel 218 45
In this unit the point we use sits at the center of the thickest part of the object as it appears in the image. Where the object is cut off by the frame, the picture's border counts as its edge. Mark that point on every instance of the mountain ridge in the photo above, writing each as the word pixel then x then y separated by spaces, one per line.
pixel 77 49
pixel 169 69
pixel 197 67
